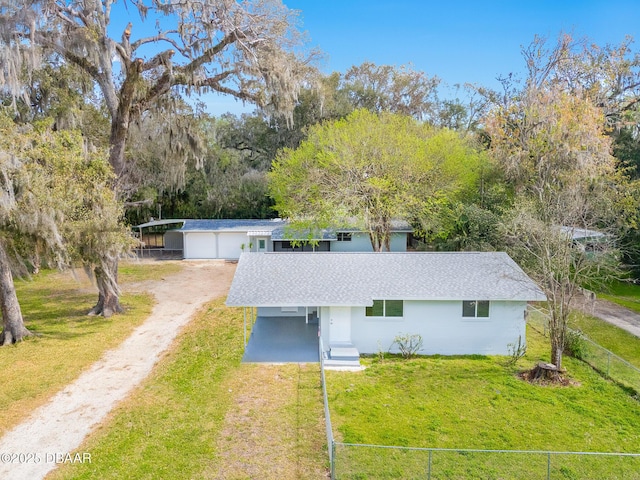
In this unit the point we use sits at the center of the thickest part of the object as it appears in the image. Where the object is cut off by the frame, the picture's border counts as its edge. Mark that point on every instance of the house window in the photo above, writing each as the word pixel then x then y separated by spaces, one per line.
pixel 475 308
pixel 262 244
pixel 344 236
pixel 385 308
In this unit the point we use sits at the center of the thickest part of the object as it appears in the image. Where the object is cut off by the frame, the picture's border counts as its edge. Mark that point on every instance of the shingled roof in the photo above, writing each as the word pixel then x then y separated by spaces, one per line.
pixel 356 279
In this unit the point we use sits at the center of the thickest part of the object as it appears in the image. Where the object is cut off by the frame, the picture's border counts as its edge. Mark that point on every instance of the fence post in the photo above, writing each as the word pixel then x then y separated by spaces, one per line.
pixel 548 465
pixel 333 460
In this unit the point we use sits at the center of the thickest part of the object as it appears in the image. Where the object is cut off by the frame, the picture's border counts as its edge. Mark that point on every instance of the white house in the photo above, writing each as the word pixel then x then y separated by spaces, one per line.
pixel 460 303
pixel 228 238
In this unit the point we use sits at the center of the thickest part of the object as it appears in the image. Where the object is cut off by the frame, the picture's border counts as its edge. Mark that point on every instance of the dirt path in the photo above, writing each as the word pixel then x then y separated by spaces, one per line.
pixel 60 426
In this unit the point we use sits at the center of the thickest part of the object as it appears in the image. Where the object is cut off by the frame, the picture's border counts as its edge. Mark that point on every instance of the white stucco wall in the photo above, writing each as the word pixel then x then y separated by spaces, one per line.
pixel 443 329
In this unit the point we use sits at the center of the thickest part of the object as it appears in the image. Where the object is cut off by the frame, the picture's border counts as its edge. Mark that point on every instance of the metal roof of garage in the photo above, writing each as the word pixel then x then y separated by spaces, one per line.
pixel 228 225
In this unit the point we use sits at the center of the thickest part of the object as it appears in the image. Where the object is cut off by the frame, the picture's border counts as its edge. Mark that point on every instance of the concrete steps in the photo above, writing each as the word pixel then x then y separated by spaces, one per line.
pixel 342 356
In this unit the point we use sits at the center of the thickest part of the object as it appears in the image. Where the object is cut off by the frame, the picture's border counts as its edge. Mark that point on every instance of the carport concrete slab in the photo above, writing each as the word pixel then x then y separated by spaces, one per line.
pixel 282 340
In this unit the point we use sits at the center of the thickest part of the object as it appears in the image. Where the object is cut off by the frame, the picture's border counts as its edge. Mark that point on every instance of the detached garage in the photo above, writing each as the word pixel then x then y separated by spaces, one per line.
pixel 225 239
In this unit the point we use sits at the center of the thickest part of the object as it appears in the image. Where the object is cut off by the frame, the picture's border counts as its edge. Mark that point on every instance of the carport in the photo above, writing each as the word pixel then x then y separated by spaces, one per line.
pixel 282 340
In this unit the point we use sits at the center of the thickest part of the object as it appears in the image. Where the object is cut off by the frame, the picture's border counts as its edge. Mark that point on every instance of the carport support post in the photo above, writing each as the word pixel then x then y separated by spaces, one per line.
pixel 244 311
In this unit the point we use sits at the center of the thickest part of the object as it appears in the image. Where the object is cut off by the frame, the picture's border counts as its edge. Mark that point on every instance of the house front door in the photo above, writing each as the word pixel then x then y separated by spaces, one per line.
pixel 339 325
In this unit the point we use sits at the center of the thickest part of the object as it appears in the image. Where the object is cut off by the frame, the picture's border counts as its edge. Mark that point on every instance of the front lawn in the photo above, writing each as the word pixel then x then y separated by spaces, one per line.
pixel 202 414
pixel 476 402
pixel 611 337
pixel 67 341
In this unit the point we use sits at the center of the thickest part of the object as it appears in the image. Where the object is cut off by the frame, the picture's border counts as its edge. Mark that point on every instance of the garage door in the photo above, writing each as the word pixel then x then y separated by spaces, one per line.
pixel 199 245
pixel 230 244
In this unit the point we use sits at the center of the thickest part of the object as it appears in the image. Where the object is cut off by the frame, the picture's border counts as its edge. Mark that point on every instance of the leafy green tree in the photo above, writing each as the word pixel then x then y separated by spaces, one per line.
pixel 249 50
pixel 371 169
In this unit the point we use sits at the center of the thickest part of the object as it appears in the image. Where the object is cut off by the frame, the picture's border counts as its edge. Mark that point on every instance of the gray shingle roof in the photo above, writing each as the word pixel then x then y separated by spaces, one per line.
pixel 356 279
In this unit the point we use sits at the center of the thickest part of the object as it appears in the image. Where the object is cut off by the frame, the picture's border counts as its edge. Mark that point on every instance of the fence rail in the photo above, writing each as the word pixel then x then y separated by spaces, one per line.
pixel 604 361
pixel 355 461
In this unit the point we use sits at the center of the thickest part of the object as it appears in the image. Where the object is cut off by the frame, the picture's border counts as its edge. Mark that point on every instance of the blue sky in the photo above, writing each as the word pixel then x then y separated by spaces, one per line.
pixel 458 41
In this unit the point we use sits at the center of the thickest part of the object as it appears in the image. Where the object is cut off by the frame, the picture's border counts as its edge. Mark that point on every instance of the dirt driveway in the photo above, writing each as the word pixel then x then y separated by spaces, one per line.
pixel 61 425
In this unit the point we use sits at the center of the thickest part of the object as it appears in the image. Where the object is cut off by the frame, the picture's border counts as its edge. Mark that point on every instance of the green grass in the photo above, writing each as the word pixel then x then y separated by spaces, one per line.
pixel 611 337
pixel 477 402
pixel 626 294
pixel 67 341
pixel 135 271
pixel 202 414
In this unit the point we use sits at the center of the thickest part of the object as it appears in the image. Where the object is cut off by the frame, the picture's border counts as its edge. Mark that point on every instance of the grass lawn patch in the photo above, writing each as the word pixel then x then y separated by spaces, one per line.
pixel 54 306
pixel 477 402
pixel 611 337
pixel 203 414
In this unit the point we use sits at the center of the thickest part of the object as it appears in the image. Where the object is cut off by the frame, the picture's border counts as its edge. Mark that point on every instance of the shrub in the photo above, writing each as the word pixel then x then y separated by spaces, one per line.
pixel 575 344
pixel 408 344
pixel 516 351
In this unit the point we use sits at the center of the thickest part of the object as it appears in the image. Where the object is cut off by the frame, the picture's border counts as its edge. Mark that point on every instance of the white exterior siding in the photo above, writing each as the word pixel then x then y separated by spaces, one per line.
pixel 208 245
pixel 200 245
pixel 441 325
pixel 230 244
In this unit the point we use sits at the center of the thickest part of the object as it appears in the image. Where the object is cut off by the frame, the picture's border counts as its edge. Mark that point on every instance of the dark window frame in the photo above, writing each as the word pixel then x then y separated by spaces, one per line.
pixel 476 309
pixel 386 309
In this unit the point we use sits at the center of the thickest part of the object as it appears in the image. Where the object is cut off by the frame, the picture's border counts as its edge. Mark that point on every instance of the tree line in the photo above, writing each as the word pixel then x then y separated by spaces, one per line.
pixel 482 169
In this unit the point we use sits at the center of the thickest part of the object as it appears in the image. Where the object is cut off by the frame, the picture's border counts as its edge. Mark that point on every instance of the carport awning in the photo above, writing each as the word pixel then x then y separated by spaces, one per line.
pixel 259 233
pixel 155 223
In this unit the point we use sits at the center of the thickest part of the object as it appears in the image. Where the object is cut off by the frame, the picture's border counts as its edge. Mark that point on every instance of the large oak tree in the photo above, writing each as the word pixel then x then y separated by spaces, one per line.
pixel 57 208
pixel 250 50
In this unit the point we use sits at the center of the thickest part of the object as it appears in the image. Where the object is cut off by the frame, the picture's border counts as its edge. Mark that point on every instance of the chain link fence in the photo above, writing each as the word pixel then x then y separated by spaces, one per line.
pixel 360 462
pixel 356 462
pixel 601 359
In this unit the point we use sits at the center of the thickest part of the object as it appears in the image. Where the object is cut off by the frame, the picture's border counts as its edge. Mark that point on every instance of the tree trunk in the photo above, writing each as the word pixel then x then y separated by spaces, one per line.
pixel 120 122
pixel 13 329
pixel 108 290
pixel 546 372
pixel 556 354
